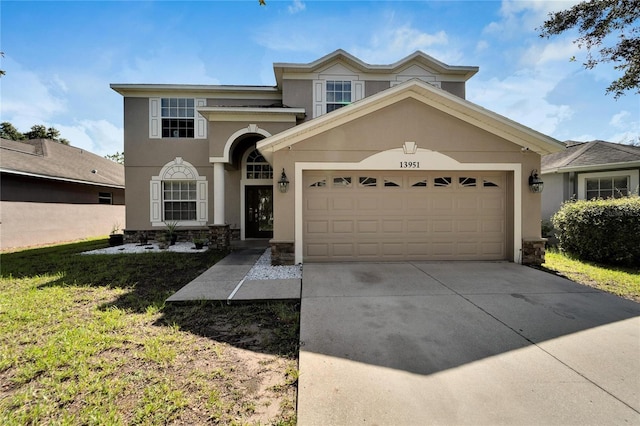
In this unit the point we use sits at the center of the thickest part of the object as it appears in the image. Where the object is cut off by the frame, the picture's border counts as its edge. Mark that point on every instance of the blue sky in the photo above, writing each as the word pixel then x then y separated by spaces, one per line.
pixel 61 56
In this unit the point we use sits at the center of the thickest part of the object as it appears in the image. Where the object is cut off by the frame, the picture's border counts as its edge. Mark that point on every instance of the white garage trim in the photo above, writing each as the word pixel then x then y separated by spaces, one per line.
pixel 419 159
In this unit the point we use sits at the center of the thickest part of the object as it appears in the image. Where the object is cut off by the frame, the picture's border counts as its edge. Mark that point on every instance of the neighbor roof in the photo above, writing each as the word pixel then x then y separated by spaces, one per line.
pixel 49 159
pixel 442 100
pixel 591 155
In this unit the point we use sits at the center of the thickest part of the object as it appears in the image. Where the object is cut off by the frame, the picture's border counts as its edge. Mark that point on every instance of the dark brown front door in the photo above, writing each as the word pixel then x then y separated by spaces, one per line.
pixel 258 201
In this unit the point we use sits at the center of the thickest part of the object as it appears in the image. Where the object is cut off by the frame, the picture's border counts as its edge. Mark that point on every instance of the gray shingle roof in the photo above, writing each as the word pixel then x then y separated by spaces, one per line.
pixel 594 153
pixel 49 159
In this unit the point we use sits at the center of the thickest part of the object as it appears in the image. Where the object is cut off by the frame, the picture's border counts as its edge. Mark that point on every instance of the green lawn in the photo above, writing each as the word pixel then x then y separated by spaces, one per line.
pixel 89 340
pixel 624 282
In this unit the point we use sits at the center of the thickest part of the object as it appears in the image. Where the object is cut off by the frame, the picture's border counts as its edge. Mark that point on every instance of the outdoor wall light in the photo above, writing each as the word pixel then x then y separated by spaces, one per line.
pixel 283 183
pixel 535 183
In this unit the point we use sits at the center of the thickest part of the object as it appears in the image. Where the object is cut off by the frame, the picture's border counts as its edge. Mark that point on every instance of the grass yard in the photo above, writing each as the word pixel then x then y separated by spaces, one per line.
pixel 89 340
pixel 624 282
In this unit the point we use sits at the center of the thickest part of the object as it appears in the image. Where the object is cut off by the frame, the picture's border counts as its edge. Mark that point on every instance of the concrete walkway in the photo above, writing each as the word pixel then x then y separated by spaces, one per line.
pixel 226 280
pixel 463 343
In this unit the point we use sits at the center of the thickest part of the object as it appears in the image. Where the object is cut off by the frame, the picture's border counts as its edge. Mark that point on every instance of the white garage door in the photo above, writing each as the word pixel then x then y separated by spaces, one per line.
pixel 385 216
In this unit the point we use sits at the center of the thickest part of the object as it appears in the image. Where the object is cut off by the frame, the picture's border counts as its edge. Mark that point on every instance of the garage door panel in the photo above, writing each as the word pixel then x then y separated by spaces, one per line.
pixel 493 226
pixel 343 249
pixel 317 226
pixel 405 215
pixel 469 226
pixel 392 226
pixel 442 226
pixel 467 249
pixel 367 204
pixel 317 204
pixel 393 249
pixel 319 250
pixel 342 203
pixel 369 250
pixel 417 225
pixel 368 226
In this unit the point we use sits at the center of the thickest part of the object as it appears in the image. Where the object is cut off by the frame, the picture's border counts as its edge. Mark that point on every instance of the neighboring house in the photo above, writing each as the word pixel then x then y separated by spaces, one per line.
pixel 587 170
pixel 382 162
pixel 52 192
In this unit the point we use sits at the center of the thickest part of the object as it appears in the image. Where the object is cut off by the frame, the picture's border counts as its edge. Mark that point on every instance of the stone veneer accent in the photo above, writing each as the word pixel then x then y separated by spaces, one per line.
pixel 533 250
pixel 219 237
pixel 282 253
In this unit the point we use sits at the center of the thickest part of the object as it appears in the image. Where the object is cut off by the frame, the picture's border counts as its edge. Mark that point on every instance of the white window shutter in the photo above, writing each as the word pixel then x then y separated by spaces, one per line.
pixel 154 118
pixel 202 207
pixel 155 201
pixel 201 122
pixel 358 90
pixel 318 98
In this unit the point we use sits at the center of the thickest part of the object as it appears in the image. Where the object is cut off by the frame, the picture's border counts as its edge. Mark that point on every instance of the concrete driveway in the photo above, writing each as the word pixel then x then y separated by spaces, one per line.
pixel 463 343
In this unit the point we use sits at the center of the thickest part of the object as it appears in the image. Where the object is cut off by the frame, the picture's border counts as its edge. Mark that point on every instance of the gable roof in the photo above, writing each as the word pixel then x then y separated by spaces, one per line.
pixel 592 155
pixel 442 100
pixel 462 72
pixel 47 159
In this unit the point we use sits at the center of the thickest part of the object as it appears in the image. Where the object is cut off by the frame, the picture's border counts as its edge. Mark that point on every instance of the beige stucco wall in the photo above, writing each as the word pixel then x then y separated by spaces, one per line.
pixel 389 128
pixel 145 157
pixel 24 224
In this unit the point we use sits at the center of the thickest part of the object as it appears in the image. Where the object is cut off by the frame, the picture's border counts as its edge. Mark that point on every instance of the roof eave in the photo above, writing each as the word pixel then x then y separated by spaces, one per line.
pixel 594 167
pixel 147 89
pixel 280 68
pixel 59 178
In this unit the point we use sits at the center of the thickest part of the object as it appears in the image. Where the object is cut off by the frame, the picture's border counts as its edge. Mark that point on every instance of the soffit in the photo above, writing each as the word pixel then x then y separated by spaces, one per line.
pixel 197 91
pixel 271 114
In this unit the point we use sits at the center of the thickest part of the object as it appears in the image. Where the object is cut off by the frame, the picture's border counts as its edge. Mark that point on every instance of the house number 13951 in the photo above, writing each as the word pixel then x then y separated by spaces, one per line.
pixel 409 164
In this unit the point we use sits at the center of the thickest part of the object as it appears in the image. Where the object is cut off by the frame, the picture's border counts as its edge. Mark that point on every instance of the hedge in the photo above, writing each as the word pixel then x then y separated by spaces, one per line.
pixel 605 231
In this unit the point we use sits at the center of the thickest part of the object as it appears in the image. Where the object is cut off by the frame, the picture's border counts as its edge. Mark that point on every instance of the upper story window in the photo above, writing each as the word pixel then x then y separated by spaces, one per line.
pixel 335 92
pixel 178 116
pixel 338 94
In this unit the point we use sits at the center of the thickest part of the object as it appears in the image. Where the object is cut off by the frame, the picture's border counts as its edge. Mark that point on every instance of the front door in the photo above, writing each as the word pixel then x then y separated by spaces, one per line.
pixel 258 203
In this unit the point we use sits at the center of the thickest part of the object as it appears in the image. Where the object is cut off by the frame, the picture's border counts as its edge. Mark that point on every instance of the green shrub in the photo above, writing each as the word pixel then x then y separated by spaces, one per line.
pixel 605 231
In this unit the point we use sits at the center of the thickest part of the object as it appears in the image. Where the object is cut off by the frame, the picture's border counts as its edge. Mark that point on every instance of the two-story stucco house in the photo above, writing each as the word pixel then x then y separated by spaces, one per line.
pixel 339 161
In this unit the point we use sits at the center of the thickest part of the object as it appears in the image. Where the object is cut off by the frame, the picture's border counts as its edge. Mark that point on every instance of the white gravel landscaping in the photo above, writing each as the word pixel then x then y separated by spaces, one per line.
pixel 179 247
pixel 263 270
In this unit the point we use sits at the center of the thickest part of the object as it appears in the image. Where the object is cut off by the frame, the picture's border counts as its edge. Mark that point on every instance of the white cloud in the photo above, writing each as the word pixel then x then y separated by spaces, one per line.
pixel 621 119
pixel 522 98
pixel 28 98
pixel 392 44
pixel 481 46
pixel 627 128
pixel 556 51
pixel 97 136
pixel 518 16
pixel 296 6
pixel 167 65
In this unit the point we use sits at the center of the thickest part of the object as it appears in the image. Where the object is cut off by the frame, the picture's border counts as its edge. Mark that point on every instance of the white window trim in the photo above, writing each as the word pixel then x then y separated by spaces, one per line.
pixel 155 118
pixel 177 170
pixel 634 180
pixel 320 92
